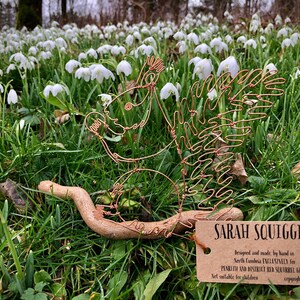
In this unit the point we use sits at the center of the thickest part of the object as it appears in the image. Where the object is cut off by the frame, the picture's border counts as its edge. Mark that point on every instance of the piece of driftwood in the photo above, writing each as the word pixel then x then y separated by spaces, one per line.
pixel 94 216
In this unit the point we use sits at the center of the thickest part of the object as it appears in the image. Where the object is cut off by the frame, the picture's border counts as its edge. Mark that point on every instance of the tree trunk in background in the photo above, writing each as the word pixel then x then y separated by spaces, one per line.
pixel 29 14
pixel 287 8
pixel 64 15
pixel 219 8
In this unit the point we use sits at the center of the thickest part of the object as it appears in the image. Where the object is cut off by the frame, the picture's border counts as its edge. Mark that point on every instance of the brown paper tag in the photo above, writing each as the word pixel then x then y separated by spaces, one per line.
pixel 248 252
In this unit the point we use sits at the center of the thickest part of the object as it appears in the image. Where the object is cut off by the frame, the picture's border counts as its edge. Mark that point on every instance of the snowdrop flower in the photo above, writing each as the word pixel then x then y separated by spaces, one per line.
pixel 10 68
pixel 82 56
pixel 124 67
pixel 99 72
pixel 104 49
pixel 61 43
pixel 71 65
pixel 269 28
pixel 129 40
pixel 193 37
pixel 137 35
pixel 297 74
pixel 169 90
pixel 262 39
pixel 251 43
pixel 287 43
pixel 84 73
pixel 218 45
pixel 212 94
pixel 182 47
pixel 105 99
pixel 282 32
pixel 194 60
pixel 241 39
pixel 249 102
pixel 271 68
pixel 287 20
pixel 116 50
pixel 278 20
pixel 202 48
pixel 1 88
pixel 54 90
pixel 203 68
pixel 1 73
pixel 45 55
pixel 144 50
pixel 228 65
pixel 254 25
pixel 295 37
pixel 150 41
pixel 228 39
pixel 179 35
pixel 21 124
pixel 48 45
pixel 12 97
pixel 91 53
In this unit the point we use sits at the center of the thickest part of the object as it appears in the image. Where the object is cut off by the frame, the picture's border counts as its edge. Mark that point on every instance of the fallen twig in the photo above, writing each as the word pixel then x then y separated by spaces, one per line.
pixel 94 216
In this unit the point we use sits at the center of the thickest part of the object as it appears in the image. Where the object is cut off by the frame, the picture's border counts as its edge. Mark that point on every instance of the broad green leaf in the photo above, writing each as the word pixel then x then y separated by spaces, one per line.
pixel 116 283
pixel 31 294
pixel 58 290
pixel 41 276
pixel 296 292
pixel 259 184
pixel 39 286
pixel 154 284
pixel 29 269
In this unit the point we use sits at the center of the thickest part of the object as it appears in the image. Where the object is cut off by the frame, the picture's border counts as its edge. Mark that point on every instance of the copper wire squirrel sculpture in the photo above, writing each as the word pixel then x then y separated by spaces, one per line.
pixel 199 126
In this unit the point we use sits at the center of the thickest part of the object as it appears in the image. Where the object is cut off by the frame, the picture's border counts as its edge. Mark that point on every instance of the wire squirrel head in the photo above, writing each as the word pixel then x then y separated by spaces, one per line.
pixel 148 78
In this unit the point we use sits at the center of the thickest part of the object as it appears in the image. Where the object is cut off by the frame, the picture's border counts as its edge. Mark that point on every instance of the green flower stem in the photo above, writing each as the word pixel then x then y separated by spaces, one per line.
pixel 20 274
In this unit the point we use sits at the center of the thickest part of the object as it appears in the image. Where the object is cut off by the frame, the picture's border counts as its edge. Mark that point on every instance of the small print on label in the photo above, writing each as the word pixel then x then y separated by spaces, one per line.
pixel 248 252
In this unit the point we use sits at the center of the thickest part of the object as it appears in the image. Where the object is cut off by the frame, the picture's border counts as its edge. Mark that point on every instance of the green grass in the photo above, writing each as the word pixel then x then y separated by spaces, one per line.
pixel 49 251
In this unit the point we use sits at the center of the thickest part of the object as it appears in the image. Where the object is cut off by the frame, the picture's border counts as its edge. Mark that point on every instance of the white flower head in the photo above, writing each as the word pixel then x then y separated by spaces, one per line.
pixel 169 90
pixel 124 67
pixel 203 68
pixel 194 60
pixel 229 65
pixel 182 47
pixel 1 88
pixel 54 89
pixel 193 37
pixel 202 48
pixel 179 35
pixel 105 99
pixel 10 68
pixel 12 97
pixel 116 50
pixel 99 72
pixel 241 39
pixel 297 74
pixel 287 43
pixel 21 124
pixel 129 40
pixel 71 65
pixel 212 94
pixel 282 32
pixel 271 68
pixel 84 73
pixel 92 53
pixel 251 43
